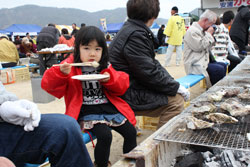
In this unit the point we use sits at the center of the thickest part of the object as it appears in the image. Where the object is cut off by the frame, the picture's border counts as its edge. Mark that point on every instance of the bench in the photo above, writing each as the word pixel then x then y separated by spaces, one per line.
pixel 190 80
pixel 86 138
pixel 162 50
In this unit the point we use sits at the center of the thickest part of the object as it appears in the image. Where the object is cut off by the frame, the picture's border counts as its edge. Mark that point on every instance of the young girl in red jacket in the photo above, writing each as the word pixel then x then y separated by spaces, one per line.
pixel 95 104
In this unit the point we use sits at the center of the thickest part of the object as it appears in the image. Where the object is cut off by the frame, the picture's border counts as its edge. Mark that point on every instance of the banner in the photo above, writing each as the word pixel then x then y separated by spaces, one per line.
pixel 104 24
pixel 233 3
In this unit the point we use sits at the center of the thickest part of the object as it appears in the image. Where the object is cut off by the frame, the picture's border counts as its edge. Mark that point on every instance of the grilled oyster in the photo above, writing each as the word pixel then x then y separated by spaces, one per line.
pixel 217 96
pixel 235 108
pixel 194 123
pixel 245 95
pixel 200 112
pixel 221 118
pixel 232 92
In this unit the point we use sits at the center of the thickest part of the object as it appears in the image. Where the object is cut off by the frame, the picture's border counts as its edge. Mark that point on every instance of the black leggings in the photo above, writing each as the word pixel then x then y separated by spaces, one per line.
pixel 104 140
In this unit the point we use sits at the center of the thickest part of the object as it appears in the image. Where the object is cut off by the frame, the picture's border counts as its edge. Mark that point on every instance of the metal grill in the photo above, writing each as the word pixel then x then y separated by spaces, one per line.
pixel 230 136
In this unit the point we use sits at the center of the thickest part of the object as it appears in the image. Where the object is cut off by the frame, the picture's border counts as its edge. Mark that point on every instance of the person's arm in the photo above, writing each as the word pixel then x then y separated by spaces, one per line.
pixel 169 27
pixel 198 42
pixel 55 82
pixel 118 82
pixel 245 13
pixel 139 54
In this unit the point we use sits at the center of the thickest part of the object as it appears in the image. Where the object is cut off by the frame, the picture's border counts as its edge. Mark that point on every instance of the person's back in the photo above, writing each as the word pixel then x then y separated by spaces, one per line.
pixel 49 35
pixel 174 32
pixel 66 38
pixel 239 29
pixel 8 51
pixel 47 38
pixel 152 90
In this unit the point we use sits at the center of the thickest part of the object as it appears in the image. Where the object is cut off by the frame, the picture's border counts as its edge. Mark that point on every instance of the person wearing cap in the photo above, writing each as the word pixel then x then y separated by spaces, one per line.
pixel 8 52
pixel 174 32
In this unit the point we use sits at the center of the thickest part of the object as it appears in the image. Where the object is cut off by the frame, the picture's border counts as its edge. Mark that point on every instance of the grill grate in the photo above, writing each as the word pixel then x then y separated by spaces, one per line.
pixel 230 136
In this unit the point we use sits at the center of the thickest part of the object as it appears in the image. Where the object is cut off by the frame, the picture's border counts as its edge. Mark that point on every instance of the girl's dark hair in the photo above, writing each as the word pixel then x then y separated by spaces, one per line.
pixel 143 10
pixel 87 35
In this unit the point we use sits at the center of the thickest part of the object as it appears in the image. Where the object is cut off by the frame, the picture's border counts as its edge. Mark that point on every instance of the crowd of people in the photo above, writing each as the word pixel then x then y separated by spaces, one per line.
pixel 135 82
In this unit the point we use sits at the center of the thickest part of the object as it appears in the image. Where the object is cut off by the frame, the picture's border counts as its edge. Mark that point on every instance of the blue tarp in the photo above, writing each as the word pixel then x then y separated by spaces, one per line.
pixel 113 27
pixel 23 28
pixel 4 32
pixel 155 26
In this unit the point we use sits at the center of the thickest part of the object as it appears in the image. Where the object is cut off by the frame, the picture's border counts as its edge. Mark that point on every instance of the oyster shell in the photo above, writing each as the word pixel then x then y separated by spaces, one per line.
pixel 194 123
pixel 235 108
pixel 232 92
pixel 217 96
pixel 221 118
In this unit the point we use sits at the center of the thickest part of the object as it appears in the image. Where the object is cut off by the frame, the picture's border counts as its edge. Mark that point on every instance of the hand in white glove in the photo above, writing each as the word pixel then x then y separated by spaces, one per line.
pixel 21 112
pixel 166 39
pixel 184 92
pixel 5 95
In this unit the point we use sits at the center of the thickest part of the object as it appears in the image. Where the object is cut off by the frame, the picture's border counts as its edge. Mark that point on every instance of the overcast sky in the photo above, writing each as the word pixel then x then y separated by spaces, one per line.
pixel 96 5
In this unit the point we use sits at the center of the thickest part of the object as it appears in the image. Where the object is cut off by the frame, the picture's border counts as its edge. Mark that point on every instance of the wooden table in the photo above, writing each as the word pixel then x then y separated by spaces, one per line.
pixel 53 52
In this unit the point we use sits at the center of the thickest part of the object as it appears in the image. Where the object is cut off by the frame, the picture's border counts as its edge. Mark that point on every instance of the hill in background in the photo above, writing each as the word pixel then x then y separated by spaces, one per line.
pixel 32 14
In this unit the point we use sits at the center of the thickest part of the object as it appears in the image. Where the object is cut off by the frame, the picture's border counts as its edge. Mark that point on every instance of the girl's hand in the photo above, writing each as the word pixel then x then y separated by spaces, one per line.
pixel 65 68
pixel 106 79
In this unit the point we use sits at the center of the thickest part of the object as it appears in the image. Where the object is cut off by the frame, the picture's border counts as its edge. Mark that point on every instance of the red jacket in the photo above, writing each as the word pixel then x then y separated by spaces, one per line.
pixel 70 41
pixel 59 85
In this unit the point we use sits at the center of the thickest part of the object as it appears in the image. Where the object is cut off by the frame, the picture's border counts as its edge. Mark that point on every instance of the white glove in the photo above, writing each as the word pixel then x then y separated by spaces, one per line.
pixel 184 92
pixel 166 39
pixel 5 95
pixel 21 112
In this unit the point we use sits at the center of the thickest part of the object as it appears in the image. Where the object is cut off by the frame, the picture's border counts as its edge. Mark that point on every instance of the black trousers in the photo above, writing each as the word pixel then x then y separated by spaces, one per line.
pixel 234 61
pixel 240 43
pixel 46 60
pixel 104 140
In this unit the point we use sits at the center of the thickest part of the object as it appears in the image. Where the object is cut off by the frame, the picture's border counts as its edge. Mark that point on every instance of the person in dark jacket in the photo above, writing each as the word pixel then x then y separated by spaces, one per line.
pixel 47 38
pixel 153 91
pixel 75 30
pixel 161 37
pixel 239 29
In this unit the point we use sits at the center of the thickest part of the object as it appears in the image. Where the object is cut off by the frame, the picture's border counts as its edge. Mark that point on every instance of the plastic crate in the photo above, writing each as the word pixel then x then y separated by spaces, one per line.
pixel 149 123
pixel 21 74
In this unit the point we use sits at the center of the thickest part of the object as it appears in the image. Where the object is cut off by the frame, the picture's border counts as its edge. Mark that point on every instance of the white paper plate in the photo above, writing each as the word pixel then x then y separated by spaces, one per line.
pixel 90 77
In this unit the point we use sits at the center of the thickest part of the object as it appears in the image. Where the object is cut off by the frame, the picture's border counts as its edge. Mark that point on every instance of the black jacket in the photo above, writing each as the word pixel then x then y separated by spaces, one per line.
pixel 240 25
pixel 48 34
pixel 132 51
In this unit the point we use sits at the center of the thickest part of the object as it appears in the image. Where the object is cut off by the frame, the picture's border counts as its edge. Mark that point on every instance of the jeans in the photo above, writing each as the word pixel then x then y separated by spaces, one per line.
pixel 57 137
pixel 216 71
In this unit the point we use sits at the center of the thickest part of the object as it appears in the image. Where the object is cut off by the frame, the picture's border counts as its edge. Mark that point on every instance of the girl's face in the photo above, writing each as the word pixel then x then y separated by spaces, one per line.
pixel 91 52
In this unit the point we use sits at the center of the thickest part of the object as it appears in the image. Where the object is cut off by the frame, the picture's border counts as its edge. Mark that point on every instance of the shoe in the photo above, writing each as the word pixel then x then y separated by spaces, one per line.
pixel 138 131
pixel 109 164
